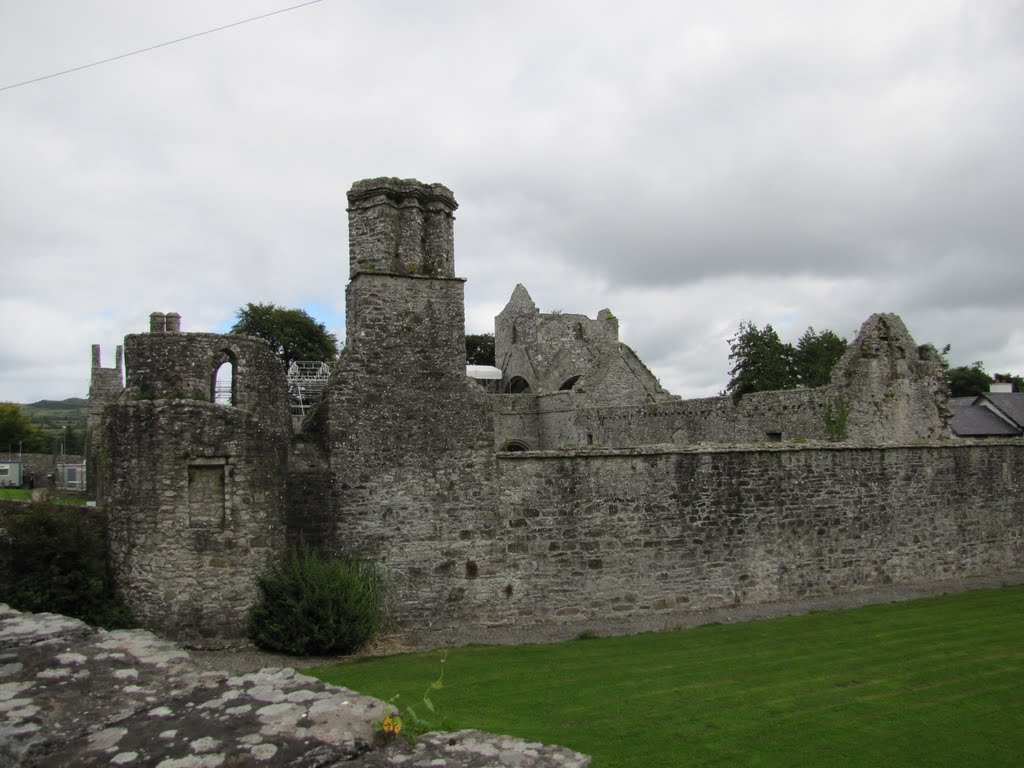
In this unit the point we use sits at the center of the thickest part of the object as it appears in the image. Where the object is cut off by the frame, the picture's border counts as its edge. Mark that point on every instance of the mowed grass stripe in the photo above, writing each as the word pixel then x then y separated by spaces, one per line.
pixel 937 682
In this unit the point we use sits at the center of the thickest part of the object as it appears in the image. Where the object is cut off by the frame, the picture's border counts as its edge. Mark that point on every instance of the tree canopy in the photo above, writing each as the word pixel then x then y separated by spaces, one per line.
pixel 292 333
pixel 972 380
pixel 762 362
pixel 816 355
pixel 968 380
pixel 17 432
pixel 480 348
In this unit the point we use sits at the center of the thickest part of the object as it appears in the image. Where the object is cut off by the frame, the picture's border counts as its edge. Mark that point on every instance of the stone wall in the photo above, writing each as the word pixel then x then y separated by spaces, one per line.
pixel 76 695
pixel 638 502
pixel 196 507
pixel 567 420
pixel 796 414
pixel 572 537
pixel 184 366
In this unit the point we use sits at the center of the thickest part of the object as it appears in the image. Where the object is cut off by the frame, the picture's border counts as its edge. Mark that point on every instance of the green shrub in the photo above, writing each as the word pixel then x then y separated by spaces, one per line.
pixel 57 562
pixel 312 605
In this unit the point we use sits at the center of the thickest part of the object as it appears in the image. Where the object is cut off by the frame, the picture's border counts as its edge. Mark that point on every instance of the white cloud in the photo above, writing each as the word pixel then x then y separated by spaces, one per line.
pixel 687 164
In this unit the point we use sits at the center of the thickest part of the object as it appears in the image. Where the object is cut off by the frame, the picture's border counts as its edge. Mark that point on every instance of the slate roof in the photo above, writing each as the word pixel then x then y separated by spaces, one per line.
pixel 972 419
pixel 1010 404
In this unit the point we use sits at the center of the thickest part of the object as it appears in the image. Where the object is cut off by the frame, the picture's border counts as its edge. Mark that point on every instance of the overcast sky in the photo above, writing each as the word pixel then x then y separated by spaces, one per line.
pixel 688 165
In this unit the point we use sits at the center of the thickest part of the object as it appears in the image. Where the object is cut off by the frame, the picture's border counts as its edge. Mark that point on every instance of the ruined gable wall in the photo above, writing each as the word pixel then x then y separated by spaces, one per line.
pixel 549 349
pixel 889 388
pixel 638 533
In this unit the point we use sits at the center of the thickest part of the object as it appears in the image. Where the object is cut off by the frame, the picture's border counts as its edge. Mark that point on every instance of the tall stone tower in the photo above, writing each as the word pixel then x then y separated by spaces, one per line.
pixel 105 386
pixel 404 305
pixel 399 406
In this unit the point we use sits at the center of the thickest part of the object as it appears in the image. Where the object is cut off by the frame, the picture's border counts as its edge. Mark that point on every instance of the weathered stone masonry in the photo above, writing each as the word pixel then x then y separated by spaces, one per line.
pixel 583 492
pixel 194 491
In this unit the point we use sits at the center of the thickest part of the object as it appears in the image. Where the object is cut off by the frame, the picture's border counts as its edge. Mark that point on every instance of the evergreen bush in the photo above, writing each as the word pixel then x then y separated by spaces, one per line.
pixel 56 561
pixel 314 605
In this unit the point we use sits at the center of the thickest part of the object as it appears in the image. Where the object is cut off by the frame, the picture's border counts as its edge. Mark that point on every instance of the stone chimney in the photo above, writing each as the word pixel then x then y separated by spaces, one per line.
pixel 401 226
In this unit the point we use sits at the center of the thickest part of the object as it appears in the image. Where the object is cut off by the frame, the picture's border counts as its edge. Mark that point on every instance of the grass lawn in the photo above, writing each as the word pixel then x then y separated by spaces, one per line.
pixel 21 494
pixel 932 682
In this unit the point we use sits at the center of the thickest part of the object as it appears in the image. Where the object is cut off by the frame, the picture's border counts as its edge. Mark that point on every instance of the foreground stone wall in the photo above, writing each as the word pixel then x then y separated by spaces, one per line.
pixel 620 533
pixel 75 695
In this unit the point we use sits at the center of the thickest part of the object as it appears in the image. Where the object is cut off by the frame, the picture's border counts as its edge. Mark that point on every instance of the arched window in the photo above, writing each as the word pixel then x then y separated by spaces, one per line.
pixel 569 383
pixel 517 385
pixel 224 389
pixel 513 446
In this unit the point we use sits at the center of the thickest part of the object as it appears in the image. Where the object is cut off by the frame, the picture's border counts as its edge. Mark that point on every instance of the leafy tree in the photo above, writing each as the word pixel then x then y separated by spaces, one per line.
pixel 18 431
pixel 56 560
pixel 480 348
pixel 292 333
pixel 761 361
pixel 816 355
pixel 968 380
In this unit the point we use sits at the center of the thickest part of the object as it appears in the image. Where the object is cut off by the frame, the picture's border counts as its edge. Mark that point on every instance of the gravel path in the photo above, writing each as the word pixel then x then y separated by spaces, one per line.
pixel 241 659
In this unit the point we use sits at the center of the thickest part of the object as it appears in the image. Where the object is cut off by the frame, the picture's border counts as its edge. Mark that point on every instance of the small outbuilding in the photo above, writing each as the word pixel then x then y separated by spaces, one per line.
pixel 11 474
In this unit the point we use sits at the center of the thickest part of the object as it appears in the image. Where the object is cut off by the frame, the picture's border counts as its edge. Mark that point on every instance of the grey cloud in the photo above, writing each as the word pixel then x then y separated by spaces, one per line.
pixel 687 164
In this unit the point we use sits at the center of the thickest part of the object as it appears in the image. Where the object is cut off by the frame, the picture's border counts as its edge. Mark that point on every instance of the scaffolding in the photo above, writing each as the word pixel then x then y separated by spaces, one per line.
pixel 306 380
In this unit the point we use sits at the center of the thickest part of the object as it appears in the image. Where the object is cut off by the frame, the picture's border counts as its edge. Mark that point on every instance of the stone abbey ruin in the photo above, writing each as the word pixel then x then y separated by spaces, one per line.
pixel 580 491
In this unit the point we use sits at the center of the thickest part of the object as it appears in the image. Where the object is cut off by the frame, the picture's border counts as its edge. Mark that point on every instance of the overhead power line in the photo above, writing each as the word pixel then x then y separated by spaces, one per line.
pixel 159 45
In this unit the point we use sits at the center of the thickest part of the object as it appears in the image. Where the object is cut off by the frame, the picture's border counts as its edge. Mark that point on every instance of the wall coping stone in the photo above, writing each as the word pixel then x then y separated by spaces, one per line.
pixel 71 694
pixel 783 447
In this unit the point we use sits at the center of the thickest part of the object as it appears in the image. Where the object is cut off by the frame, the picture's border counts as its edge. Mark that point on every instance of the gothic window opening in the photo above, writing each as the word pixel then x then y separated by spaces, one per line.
pixel 569 383
pixel 517 385
pixel 224 385
pixel 513 446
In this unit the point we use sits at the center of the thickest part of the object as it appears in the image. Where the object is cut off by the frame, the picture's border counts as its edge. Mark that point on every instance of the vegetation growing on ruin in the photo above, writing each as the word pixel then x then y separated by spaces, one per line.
pixel 930 682
pixel 837 415
pixel 56 561
pixel 311 605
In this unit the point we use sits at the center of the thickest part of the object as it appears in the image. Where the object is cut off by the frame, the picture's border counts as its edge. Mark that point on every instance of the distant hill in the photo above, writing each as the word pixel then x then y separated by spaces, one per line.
pixel 51 416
